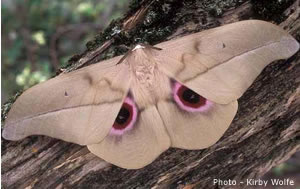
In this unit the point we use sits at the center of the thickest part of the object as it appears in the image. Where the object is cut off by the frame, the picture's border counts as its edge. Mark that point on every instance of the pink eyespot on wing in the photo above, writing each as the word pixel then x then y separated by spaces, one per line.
pixel 189 100
pixel 125 119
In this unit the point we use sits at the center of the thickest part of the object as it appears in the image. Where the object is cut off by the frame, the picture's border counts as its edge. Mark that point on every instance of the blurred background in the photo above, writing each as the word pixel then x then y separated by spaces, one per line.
pixel 39 36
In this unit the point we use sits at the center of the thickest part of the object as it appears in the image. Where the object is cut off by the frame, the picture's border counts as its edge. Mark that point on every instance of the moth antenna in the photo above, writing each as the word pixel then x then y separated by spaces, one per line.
pixel 125 47
pixel 124 57
pixel 144 45
pixel 152 47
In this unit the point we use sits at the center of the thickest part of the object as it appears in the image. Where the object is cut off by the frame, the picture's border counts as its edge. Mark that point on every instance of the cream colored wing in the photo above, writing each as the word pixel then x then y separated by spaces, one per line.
pixel 78 107
pixel 136 139
pixel 221 63
pixel 192 121
pixel 138 136
pixel 191 130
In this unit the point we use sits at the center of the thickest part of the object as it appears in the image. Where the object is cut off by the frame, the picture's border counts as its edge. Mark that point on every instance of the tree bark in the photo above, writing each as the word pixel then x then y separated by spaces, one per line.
pixel 264 133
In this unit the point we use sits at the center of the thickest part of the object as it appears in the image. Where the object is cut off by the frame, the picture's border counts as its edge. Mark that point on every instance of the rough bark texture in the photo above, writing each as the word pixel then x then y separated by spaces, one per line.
pixel 264 133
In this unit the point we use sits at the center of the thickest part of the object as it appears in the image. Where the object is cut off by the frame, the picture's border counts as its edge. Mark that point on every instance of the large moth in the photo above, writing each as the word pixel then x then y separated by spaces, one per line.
pixel 184 95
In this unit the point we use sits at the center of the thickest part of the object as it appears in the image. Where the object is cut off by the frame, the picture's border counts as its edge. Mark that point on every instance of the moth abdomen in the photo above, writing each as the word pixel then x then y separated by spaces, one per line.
pixel 129 113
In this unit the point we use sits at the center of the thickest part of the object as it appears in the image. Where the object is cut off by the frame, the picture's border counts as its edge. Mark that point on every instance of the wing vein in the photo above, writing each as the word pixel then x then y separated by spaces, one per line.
pixel 63 109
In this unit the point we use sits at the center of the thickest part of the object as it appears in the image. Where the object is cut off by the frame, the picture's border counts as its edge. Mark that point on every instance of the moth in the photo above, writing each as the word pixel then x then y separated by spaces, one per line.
pixel 183 96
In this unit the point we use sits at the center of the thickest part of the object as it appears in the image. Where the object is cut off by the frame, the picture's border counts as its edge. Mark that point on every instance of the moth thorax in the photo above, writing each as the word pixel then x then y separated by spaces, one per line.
pixel 144 74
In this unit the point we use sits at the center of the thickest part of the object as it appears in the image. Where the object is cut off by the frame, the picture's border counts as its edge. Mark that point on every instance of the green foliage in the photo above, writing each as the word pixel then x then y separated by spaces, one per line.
pixel 280 169
pixel 27 77
pixel 28 28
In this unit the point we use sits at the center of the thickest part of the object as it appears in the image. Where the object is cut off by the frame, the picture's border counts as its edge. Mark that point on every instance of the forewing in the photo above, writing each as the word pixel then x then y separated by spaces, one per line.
pixel 78 107
pixel 222 63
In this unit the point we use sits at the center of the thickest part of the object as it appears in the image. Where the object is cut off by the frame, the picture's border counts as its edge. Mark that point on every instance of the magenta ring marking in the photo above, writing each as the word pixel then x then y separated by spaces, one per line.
pixel 204 108
pixel 119 132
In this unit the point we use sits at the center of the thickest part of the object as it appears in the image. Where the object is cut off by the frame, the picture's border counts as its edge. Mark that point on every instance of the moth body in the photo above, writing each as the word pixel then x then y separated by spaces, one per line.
pixel 148 84
pixel 184 95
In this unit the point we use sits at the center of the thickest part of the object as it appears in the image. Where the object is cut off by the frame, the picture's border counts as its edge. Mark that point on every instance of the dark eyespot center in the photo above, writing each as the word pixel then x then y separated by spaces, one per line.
pixel 123 116
pixel 190 96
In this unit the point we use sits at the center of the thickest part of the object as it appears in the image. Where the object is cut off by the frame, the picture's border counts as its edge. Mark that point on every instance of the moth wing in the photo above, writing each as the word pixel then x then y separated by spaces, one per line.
pixel 196 130
pixel 78 107
pixel 222 63
pixel 137 147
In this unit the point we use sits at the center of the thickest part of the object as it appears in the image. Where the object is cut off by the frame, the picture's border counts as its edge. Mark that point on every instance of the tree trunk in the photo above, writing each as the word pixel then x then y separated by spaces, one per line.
pixel 264 133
